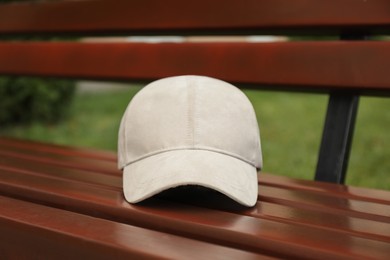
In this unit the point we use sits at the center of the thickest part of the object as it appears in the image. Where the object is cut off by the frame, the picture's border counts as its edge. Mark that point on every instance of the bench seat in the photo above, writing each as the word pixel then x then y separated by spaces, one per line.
pixel 60 202
pixel 72 201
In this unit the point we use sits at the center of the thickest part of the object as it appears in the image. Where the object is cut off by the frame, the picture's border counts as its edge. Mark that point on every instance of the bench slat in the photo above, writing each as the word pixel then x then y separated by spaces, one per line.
pixel 68 173
pixel 14 153
pixel 337 222
pixel 53 149
pixel 196 17
pixel 314 214
pixel 278 206
pixel 47 232
pixel 59 199
pixel 310 66
pixel 72 162
pixel 211 225
pixel 342 191
pixel 320 201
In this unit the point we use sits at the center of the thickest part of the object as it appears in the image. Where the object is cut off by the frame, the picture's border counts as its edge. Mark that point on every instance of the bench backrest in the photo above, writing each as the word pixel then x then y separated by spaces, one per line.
pixel 350 65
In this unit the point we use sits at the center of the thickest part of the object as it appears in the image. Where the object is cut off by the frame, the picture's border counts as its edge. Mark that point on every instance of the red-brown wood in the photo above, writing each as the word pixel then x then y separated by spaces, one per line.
pixel 48 150
pixel 344 191
pixel 306 221
pixel 61 202
pixel 33 231
pixel 52 149
pixel 18 151
pixel 11 148
pixel 107 167
pixel 69 173
pixel 310 66
pixel 173 16
pixel 196 222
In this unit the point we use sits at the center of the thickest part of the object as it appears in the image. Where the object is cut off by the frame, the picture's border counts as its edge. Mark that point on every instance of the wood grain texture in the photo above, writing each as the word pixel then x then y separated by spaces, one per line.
pixel 66 202
pixel 308 66
pixel 196 17
pixel 47 232
pixel 288 221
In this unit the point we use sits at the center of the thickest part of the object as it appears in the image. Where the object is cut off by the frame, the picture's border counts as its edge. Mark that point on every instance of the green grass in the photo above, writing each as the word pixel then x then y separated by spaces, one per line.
pixel 290 124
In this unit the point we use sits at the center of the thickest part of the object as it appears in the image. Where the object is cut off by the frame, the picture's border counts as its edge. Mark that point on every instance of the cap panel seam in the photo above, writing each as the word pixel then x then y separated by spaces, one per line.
pixel 190 118
pixel 195 112
pixel 191 148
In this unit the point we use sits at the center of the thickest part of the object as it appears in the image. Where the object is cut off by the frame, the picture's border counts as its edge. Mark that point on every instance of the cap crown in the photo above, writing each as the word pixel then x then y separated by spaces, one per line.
pixel 189 112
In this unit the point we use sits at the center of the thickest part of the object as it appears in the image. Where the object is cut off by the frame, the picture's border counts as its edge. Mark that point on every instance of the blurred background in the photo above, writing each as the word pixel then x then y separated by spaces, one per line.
pixel 87 114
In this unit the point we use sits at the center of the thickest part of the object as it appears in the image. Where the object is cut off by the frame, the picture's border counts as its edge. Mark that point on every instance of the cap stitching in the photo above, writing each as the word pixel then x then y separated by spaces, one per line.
pixel 190 133
pixel 195 114
pixel 191 148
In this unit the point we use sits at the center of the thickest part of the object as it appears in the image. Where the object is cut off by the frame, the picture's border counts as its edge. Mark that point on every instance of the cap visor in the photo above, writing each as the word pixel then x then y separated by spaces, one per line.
pixel 226 174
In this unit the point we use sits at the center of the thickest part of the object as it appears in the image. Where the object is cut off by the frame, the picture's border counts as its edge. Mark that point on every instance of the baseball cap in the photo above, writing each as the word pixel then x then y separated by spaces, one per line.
pixel 190 130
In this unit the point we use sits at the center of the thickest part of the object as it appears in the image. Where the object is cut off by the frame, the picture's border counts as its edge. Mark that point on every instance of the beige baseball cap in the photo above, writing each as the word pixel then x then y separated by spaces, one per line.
pixel 190 130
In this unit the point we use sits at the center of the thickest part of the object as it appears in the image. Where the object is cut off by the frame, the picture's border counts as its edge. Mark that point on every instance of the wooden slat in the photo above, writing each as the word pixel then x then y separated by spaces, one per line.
pixel 56 199
pixel 286 214
pixel 32 231
pixel 320 202
pixel 228 16
pixel 33 167
pixel 267 227
pixel 308 200
pixel 310 66
pixel 14 151
pixel 53 149
pixel 71 161
pixel 238 231
pixel 342 191
pixel 30 148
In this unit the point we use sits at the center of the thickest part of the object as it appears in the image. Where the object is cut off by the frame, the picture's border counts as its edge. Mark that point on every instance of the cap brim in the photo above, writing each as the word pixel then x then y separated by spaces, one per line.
pixel 226 174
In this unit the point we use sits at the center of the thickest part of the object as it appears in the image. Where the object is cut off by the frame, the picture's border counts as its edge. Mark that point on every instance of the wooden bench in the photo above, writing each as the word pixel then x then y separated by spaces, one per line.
pixel 65 202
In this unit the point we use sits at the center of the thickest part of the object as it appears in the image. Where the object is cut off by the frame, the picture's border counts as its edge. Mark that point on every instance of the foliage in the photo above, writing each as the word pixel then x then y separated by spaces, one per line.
pixel 290 124
pixel 24 100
